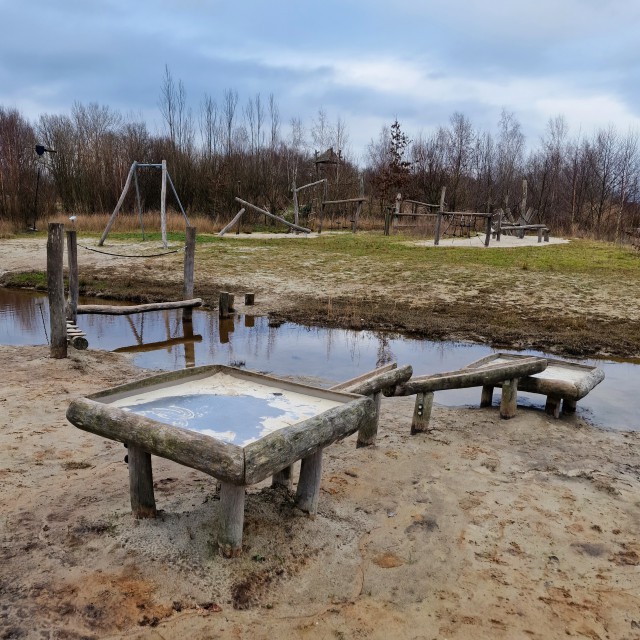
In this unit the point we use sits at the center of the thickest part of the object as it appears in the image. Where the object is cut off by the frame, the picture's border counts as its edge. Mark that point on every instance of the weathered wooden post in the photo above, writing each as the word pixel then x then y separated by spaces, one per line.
pixel 486 397
pixel 499 229
pixel 125 189
pixel 422 412
pixel 308 490
pixel 143 503
pixel 231 519
pixel 224 305
pixel 367 435
pixel 55 287
pixel 488 230
pixel 436 239
pixel 284 478
pixel 396 210
pixel 553 406
pixel 72 261
pixel 163 204
pixel 189 268
pixel 296 211
pixel 509 400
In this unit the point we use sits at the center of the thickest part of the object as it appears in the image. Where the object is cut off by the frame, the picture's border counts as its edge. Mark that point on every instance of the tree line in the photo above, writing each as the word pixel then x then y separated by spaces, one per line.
pixel 576 182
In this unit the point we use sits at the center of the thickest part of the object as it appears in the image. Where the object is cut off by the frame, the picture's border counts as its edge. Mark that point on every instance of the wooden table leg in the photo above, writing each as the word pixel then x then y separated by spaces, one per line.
pixel 143 503
pixel 368 434
pixel 486 397
pixel 422 412
pixel 284 478
pixel 231 519
pixel 309 482
pixel 552 406
pixel 509 400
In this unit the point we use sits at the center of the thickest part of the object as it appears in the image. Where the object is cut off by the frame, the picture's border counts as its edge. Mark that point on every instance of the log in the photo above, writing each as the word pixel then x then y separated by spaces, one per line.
pixel 189 269
pixel 116 310
pixel 78 342
pixel 380 382
pixel 365 376
pixel 231 520
pixel 308 490
pixel 221 460
pixel 271 215
pixel 74 288
pixel 463 378
pixel 143 504
pixel 509 399
pixel 422 412
pixel 272 453
pixel 235 220
pixel 55 288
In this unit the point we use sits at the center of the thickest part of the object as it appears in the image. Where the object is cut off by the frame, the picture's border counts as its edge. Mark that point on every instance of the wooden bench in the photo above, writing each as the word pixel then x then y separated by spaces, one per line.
pixel 542 229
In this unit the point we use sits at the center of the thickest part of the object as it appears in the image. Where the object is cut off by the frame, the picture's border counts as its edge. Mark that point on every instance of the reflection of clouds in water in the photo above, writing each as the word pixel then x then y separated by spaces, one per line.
pixel 177 416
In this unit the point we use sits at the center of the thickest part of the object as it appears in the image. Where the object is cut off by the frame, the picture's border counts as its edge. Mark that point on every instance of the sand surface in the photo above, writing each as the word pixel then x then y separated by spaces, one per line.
pixel 482 528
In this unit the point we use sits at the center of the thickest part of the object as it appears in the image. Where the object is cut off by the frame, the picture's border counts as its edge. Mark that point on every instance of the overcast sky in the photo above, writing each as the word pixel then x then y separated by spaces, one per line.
pixel 366 61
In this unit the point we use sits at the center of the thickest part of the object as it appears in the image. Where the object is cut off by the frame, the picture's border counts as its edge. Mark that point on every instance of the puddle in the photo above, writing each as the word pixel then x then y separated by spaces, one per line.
pixel 161 340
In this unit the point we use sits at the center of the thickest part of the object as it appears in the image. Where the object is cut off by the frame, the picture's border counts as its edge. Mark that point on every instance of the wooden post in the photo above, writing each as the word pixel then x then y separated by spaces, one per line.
pixel 553 406
pixel 367 435
pixel 387 222
pixel 163 204
pixel 422 412
pixel 138 201
pixel 125 189
pixel 499 229
pixel 72 261
pixel 309 482
pixel 296 211
pixel 321 218
pixel 143 503
pixel 486 397
pixel 436 240
pixel 249 299
pixel 488 231
pixel 224 305
pixel 55 287
pixel 523 203
pixel 509 400
pixel 356 217
pixel 546 235
pixel 231 519
pixel 284 478
pixel 568 405
pixel 189 268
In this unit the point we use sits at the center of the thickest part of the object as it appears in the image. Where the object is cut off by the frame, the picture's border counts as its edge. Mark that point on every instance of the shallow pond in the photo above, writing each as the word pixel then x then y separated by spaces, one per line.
pixel 161 340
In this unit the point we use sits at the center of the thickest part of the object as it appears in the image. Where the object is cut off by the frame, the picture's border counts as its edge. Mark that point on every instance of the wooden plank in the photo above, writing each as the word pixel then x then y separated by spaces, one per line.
pixel 283 447
pixel 192 449
pixel 463 378
pixel 117 310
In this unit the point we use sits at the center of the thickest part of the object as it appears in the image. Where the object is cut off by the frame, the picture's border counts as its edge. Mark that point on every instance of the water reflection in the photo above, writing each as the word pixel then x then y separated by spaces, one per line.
pixel 162 340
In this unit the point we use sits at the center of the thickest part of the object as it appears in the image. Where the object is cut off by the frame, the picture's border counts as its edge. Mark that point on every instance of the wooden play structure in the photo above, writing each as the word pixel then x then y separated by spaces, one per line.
pixel 63 312
pixel 133 414
pixel 237 220
pixel 133 175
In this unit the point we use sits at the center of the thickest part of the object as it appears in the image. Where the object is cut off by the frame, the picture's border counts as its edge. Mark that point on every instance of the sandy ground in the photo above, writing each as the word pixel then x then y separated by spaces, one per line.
pixel 483 528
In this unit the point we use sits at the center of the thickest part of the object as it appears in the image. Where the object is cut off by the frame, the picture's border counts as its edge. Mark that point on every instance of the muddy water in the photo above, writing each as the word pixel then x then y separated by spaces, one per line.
pixel 162 340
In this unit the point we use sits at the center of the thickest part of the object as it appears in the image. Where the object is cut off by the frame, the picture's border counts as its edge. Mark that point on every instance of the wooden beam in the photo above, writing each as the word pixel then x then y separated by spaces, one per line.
pixel 143 504
pixel 125 189
pixel 235 220
pixel 271 215
pixel 231 520
pixel 123 310
pixel 346 201
pixel 308 490
pixel 343 386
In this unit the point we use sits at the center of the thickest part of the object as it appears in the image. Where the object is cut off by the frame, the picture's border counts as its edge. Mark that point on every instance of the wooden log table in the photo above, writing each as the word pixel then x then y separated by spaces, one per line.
pixel 237 426
pixel 562 381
